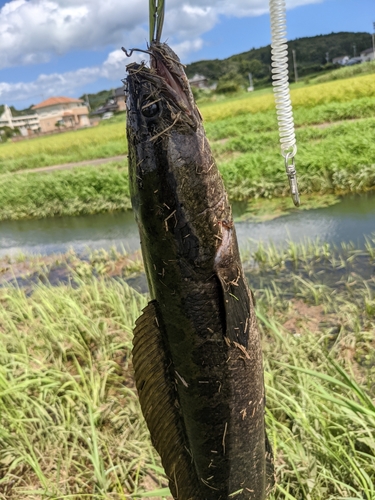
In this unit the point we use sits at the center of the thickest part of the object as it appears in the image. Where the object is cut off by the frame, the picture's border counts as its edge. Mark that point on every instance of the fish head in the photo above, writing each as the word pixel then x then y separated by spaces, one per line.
pixel 159 97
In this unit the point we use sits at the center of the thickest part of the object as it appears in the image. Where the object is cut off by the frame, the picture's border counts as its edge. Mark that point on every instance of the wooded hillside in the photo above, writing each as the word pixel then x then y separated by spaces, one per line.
pixel 310 51
pixel 311 59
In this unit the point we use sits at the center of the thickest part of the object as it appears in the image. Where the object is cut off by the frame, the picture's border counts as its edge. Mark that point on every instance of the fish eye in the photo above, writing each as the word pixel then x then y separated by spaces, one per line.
pixel 149 110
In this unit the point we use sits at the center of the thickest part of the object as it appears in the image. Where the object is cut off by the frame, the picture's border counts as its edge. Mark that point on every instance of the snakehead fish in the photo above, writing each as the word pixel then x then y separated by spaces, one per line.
pixel 197 355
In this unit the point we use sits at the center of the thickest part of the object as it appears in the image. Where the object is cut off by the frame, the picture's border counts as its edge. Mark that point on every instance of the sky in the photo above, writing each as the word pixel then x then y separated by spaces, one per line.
pixel 72 47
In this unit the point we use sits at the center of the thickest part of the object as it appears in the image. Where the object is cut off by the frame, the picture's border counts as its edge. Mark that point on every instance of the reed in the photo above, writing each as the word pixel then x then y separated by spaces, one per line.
pixel 71 425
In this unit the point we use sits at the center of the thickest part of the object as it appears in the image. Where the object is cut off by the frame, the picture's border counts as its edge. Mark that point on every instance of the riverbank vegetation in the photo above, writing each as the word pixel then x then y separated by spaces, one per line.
pixel 71 425
pixel 335 129
pixel 79 191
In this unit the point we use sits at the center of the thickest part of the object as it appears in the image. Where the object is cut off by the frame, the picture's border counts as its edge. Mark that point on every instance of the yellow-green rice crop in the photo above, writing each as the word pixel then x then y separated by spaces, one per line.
pixel 340 91
pixel 68 147
pixel 109 140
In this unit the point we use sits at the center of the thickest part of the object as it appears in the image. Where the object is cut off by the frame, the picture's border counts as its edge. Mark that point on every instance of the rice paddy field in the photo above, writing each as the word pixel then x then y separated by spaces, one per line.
pixel 71 426
pixel 336 153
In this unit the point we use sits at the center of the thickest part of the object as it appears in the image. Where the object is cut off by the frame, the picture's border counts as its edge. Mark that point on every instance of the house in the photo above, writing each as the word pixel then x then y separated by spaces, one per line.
pixel 66 112
pixel 340 60
pixel 114 104
pixel 25 123
pixel 199 81
pixel 367 55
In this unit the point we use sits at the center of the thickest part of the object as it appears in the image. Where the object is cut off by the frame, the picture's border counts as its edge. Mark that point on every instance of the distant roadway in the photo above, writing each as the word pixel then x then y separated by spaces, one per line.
pixel 66 166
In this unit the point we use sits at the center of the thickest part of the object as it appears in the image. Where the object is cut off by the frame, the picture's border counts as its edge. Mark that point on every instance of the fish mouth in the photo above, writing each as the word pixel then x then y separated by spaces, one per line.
pixel 167 66
pixel 167 75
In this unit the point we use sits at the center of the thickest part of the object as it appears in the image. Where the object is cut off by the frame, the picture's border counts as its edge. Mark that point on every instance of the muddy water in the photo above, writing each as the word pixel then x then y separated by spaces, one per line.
pixel 349 220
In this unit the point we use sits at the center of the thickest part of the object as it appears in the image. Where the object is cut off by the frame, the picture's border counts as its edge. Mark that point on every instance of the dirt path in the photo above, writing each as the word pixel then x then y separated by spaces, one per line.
pixel 67 166
pixel 101 161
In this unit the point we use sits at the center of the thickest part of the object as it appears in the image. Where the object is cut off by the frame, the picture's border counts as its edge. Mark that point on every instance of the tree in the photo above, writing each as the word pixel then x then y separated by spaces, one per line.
pixel 229 83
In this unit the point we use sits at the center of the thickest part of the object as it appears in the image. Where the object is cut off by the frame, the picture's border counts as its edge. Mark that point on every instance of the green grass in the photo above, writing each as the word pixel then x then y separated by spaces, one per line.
pixel 71 425
pixel 108 138
pixel 266 121
pixel 347 72
pixel 102 141
pixel 79 191
pixel 317 314
pixel 336 153
pixel 336 159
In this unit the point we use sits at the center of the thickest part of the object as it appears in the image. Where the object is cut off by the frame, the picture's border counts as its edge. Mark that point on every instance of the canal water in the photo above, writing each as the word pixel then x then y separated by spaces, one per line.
pixel 348 221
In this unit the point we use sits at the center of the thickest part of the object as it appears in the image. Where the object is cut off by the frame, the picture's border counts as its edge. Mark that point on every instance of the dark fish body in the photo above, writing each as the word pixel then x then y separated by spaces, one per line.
pixel 197 354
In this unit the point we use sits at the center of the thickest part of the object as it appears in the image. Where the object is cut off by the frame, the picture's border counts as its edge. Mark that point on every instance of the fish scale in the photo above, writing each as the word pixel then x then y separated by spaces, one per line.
pixel 197 355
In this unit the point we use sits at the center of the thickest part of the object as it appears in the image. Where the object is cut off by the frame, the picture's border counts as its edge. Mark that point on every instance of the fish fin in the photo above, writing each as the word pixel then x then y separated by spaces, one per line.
pixel 270 467
pixel 159 402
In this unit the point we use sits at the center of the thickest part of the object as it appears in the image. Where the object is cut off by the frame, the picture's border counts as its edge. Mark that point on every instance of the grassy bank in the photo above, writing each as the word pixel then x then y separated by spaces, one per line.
pixel 336 159
pixel 347 72
pixel 332 160
pixel 70 420
pixel 336 153
pixel 108 139
pixel 79 191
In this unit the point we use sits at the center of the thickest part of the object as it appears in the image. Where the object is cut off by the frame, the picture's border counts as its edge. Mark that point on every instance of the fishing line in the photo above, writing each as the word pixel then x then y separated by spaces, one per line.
pixel 280 82
pixel 156 12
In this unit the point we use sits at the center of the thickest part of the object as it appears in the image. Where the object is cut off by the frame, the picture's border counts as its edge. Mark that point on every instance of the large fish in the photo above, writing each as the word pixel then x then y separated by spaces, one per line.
pixel 197 354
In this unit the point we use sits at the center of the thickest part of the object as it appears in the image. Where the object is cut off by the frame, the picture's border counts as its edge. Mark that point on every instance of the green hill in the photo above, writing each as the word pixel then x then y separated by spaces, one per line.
pixel 310 51
pixel 311 59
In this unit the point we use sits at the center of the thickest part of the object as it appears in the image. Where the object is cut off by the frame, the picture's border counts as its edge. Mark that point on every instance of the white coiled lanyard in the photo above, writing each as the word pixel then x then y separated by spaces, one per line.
pixel 281 92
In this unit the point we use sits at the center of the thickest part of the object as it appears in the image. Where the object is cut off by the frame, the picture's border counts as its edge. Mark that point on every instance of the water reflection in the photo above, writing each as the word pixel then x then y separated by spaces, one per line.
pixel 347 221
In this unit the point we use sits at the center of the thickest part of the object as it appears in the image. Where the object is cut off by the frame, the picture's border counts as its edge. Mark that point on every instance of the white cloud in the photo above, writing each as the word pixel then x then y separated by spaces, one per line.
pixel 66 83
pixel 36 31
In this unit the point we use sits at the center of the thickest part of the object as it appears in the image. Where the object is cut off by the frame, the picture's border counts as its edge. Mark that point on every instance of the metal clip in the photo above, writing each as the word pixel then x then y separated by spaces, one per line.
pixel 290 169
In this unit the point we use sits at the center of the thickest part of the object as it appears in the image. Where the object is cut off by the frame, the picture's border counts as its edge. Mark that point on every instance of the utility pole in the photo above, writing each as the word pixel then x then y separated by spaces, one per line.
pixel 251 86
pixel 354 49
pixel 295 66
pixel 327 57
pixel 88 102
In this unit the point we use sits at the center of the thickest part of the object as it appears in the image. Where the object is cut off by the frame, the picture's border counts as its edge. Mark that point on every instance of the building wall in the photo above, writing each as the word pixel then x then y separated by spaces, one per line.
pixel 6 118
pixel 84 121
pixel 121 104
pixel 22 122
pixel 70 115
pixel 27 121
pixel 47 124
pixel 368 57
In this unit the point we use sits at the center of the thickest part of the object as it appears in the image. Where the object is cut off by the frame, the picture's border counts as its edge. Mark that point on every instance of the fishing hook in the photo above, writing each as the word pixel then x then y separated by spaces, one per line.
pixel 130 52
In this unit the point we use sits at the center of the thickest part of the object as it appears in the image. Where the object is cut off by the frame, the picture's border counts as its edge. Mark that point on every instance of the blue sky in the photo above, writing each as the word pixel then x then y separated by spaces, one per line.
pixel 72 47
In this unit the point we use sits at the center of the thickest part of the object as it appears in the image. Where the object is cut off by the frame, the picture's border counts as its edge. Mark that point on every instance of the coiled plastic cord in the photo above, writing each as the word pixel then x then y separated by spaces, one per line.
pixel 280 84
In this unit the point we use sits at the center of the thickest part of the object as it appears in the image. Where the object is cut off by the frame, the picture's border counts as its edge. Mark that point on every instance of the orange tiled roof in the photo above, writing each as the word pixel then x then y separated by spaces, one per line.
pixel 55 100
